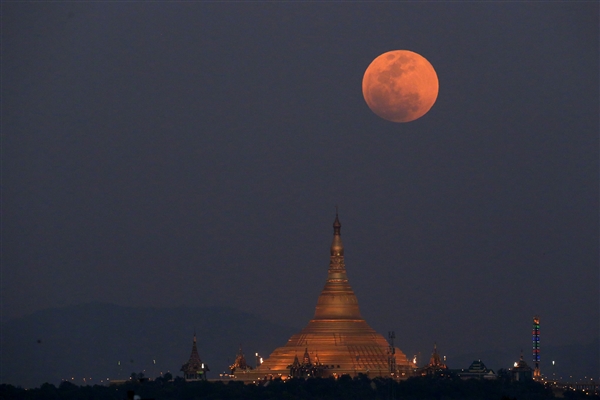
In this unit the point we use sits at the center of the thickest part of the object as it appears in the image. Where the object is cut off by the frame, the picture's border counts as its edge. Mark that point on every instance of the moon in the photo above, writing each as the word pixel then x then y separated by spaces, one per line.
pixel 400 86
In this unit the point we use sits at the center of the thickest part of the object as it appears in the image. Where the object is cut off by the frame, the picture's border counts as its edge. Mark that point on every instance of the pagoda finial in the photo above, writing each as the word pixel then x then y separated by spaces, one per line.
pixel 337 248
pixel 337 300
pixel 336 223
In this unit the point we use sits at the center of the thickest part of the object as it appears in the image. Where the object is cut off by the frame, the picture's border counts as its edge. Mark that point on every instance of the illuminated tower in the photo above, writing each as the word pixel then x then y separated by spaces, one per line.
pixel 536 347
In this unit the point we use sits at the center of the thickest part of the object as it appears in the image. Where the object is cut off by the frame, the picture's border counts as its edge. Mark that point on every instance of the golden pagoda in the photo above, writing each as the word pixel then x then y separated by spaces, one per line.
pixel 338 339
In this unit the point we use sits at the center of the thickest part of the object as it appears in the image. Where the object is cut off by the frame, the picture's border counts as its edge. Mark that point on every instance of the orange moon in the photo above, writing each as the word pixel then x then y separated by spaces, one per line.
pixel 400 86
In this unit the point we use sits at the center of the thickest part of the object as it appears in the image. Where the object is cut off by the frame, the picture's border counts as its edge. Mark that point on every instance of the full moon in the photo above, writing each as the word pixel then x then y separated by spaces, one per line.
pixel 400 86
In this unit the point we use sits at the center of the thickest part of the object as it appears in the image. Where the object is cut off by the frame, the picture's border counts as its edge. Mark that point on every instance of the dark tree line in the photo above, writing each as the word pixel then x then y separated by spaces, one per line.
pixel 344 388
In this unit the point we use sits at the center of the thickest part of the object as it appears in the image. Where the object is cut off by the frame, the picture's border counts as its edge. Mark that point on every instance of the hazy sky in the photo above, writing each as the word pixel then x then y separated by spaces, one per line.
pixel 161 154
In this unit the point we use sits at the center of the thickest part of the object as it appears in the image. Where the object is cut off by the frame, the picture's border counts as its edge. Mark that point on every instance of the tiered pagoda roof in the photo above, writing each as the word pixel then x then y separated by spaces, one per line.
pixel 240 364
pixel 194 369
pixel 435 366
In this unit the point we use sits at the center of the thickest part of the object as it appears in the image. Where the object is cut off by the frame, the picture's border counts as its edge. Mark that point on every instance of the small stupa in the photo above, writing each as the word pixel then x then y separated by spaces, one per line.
pixel 521 371
pixel 435 366
pixel 240 366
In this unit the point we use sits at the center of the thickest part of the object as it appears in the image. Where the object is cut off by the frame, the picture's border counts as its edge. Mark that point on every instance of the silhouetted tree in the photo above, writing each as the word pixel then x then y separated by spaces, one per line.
pixel 346 388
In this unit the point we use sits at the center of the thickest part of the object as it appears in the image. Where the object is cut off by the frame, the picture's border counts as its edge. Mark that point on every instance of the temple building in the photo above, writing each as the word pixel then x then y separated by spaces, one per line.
pixel 240 366
pixel 306 368
pixel 436 365
pixel 194 369
pixel 477 370
pixel 337 340
pixel 521 371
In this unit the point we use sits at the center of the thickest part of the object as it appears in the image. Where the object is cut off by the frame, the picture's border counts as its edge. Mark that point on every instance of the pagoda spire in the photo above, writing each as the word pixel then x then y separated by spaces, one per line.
pixel 306 358
pixel 436 359
pixel 194 369
pixel 240 363
pixel 336 223
pixel 195 357
pixel 337 247
pixel 337 300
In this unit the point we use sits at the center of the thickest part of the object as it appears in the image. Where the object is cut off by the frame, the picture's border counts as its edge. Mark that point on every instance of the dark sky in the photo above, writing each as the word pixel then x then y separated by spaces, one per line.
pixel 160 154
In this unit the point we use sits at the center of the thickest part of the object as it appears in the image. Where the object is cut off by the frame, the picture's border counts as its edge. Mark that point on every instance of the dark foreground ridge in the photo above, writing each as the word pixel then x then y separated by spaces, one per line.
pixel 361 387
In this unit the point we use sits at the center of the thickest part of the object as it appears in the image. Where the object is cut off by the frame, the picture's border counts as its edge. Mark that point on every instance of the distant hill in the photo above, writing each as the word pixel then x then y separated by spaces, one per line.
pixel 100 341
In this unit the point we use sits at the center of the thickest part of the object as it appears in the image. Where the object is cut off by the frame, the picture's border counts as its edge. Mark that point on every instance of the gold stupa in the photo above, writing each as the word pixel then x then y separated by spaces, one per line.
pixel 337 340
